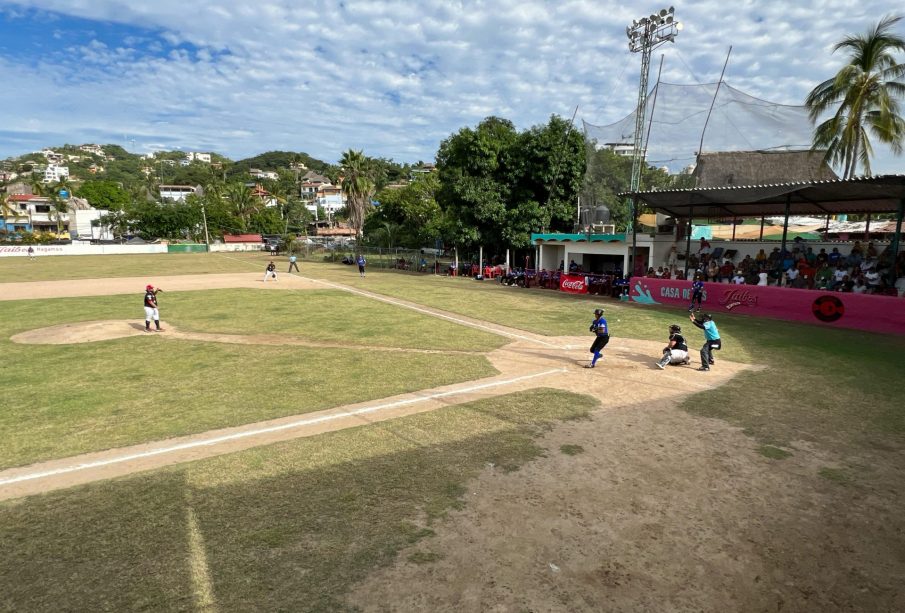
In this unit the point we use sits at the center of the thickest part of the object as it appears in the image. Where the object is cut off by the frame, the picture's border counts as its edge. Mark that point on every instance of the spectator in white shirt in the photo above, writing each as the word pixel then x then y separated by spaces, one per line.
pixel 739 278
pixel 791 274
pixel 873 280
pixel 859 287
pixel 762 278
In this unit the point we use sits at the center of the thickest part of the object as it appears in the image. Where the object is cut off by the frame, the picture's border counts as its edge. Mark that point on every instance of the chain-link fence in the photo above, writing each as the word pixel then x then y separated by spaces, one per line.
pixel 410 260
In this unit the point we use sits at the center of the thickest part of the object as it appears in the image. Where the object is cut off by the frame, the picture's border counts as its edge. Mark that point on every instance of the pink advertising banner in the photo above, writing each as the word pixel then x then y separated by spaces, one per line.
pixel 884 314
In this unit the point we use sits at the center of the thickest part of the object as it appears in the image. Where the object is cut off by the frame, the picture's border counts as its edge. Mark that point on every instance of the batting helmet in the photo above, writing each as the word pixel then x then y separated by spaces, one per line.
pixel 149 288
pixel 598 312
pixel 675 329
pixel 707 317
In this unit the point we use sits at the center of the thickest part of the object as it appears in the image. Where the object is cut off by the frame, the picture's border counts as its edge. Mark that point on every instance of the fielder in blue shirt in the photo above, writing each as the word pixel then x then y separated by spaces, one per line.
pixel 697 292
pixel 602 332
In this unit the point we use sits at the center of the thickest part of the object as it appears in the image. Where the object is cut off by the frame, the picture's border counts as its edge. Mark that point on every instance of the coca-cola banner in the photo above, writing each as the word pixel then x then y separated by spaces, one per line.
pixel 574 284
pixel 841 310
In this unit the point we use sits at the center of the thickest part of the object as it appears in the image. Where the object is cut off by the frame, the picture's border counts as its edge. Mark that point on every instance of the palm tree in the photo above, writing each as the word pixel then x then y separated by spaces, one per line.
pixel 8 212
pixel 37 186
pixel 242 201
pixel 864 93
pixel 358 184
pixel 388 232
pixel 58 207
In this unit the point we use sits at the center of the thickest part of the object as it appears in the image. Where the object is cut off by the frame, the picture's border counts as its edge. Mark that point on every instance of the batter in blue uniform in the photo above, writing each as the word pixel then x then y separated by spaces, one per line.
pixel 602 336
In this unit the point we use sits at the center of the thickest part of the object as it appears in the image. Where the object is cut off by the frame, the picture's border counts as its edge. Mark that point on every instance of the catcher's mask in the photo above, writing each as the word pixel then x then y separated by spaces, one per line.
pixel 598 312
pixel 675 329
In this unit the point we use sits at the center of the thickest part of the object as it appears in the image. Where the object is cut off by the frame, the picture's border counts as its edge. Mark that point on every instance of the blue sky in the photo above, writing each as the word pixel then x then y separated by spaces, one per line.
pixel 393 78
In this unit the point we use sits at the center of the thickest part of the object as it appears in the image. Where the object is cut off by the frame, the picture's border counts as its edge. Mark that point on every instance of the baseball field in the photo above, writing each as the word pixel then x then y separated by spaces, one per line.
pixel 406 442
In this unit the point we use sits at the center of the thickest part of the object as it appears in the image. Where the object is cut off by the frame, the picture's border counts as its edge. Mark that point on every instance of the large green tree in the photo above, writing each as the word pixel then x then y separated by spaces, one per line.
pixel 407 216
pixel 497 185
pixel 103 194
pixel 863 97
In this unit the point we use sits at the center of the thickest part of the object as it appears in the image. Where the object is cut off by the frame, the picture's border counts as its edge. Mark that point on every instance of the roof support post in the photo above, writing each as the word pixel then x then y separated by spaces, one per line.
pixel 634 234
pixel 895 241
pixel 762 219
pixel 867 228
pixel 785 226
pixel 688 228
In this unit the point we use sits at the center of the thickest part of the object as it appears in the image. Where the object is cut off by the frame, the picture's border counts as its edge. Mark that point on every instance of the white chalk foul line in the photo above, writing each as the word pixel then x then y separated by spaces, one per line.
pixel 288 426
pixel 412 307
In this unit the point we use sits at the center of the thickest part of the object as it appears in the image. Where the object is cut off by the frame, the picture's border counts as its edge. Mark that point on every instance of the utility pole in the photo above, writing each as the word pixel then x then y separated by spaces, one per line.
pixel 207 237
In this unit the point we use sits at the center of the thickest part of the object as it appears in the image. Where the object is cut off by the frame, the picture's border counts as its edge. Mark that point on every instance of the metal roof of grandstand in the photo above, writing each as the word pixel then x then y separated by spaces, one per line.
pixel 879 194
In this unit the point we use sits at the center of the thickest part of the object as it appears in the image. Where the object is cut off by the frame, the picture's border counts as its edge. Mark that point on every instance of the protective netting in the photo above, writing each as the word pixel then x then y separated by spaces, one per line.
pixel 739 122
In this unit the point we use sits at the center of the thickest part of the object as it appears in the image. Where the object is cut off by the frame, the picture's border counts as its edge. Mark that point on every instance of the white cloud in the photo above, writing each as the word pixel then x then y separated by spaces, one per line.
pixel 392 77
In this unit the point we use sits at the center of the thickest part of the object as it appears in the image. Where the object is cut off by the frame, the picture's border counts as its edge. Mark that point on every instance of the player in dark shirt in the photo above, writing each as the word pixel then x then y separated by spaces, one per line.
pixel 271 271
pixel 676 352
pixel 151 308
pixel 601 330
pixel 697 292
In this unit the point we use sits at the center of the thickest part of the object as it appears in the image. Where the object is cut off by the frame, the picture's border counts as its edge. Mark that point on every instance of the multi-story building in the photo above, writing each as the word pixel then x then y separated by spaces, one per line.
pixel 32 213
pixel 263 174
pixel 330 198
pixel 52 156
pixel 192 156
pixel 54 173
pixel 178 192
pixel 93 149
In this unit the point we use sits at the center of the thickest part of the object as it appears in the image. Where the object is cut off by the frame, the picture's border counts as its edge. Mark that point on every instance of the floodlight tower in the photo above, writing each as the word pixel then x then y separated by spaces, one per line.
pixel 645 35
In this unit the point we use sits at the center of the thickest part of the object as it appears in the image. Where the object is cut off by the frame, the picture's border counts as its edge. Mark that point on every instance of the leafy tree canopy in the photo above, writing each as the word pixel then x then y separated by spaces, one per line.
pixel 103 194
pixel 497 185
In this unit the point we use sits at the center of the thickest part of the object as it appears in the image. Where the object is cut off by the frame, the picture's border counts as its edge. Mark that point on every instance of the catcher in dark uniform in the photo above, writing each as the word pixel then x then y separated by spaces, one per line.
pixel 676 352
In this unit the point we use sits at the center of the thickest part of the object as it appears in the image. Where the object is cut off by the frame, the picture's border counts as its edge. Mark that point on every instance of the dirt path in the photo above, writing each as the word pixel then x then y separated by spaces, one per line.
pixel 31 290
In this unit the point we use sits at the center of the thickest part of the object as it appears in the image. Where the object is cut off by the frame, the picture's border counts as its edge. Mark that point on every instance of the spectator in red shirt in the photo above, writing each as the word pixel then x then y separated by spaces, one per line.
pixel 726 270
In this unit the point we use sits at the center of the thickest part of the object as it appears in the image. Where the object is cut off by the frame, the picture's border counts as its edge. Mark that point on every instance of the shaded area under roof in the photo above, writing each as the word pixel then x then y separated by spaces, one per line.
pixel 578 238
pixel 881 194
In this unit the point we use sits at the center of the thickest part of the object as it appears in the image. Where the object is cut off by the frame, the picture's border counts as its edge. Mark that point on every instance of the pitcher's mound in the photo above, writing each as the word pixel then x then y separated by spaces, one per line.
pixel 80 332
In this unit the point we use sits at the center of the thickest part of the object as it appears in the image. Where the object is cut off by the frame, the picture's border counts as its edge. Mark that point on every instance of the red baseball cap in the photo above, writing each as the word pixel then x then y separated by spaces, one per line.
pixel 149 287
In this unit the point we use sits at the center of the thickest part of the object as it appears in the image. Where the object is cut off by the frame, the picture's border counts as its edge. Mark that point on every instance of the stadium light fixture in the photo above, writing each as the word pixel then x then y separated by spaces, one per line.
pixel 645 35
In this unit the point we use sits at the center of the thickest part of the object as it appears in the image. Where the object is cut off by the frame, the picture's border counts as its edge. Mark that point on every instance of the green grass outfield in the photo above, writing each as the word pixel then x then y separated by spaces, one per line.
pixel 61 400
pixel 56 267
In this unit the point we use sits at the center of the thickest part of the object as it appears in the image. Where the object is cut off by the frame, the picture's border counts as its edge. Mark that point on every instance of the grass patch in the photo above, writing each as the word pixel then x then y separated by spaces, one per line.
pixel 424 557
pixel 774 453
pixel 571 449
pixel 285 527
pixel 57 267
pixel 61 400
pixel 320 315
pixel 837 475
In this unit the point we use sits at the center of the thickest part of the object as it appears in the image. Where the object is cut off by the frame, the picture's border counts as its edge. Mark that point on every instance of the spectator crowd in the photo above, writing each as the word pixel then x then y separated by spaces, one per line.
pixel 865 270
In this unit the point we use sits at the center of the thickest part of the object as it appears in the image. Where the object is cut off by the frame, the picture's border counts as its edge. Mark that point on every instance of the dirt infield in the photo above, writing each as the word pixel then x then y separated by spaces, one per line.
pixel 28 290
